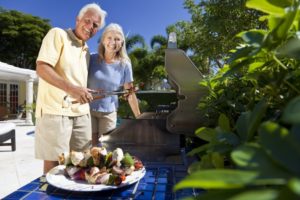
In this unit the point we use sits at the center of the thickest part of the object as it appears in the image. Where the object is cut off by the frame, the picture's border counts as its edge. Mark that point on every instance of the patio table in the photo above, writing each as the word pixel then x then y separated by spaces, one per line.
pixel 157 183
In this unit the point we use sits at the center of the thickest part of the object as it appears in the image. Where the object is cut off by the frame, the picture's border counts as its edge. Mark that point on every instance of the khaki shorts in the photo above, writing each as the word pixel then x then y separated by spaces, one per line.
pixel 56 134
pixel 103 122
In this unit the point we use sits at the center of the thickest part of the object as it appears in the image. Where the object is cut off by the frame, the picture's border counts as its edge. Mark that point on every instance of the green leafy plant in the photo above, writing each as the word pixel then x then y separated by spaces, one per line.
pixel 259 135
pixel 223 139
pixel 266 169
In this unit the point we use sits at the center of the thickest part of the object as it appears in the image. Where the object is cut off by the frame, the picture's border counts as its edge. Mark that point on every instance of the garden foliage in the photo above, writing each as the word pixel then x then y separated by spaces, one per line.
pixel 252 148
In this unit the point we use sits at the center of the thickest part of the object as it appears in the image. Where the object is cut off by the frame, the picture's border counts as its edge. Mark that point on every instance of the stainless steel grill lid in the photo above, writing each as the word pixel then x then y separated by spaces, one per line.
pixel 184 77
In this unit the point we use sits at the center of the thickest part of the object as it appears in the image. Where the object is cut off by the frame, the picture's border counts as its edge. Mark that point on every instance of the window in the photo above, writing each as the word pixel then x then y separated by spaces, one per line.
pixel 9 95
pixel 3 94
pixel 13 98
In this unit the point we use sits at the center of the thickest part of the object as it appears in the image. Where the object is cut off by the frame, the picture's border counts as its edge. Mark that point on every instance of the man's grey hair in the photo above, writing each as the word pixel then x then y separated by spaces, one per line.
pixel 93 6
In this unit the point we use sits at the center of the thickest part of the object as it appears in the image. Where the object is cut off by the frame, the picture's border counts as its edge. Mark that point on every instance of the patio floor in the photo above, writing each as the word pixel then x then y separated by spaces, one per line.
pixel 19 167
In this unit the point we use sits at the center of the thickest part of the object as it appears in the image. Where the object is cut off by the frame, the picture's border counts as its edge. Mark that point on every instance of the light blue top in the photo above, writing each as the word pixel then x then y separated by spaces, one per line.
pixel 108 77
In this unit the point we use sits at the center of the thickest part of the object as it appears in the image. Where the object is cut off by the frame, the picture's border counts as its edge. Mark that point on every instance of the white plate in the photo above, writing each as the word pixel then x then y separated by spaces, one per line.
pixel 57 178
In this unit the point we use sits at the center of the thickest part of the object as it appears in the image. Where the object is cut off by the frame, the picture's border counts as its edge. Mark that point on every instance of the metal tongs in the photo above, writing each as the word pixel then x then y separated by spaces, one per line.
pixel 99 94
pixel 129 91
pixel 110 93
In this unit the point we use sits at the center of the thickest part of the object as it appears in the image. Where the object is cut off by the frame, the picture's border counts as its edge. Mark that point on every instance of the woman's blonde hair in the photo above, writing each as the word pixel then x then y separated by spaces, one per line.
pixel 122 53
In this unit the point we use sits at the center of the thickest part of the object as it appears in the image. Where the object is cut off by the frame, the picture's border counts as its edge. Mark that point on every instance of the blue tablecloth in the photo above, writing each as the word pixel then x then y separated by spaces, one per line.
pixel 156 184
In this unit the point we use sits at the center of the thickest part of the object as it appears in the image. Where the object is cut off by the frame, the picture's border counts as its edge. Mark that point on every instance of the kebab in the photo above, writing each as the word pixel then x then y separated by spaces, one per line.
pixel 97 166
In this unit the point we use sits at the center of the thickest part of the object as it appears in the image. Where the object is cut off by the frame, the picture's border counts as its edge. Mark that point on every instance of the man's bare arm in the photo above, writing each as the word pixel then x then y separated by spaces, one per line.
pixel 47 73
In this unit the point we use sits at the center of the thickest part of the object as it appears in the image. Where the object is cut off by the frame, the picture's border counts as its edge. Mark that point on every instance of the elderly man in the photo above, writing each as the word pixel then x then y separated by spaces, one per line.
pixel 62 66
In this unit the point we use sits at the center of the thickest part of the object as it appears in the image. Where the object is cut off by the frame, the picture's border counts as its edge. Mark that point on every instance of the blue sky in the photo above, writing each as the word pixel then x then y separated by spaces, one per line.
pixel 144 17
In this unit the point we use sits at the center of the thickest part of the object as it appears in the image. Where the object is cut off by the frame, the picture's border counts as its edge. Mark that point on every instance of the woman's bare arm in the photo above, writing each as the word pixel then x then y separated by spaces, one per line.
pixel 132 100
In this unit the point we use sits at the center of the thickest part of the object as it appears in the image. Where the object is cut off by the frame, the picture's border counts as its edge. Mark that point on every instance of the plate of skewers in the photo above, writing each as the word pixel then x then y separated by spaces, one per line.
pixel 95 169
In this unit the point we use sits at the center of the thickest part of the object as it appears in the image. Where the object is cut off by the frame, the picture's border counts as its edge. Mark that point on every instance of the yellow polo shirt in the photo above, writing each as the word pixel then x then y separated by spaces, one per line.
pixel 69 57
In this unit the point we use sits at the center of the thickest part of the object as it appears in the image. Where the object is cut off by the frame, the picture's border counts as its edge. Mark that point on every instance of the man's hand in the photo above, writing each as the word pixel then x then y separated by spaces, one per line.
pixel 81 95
pixel 46 72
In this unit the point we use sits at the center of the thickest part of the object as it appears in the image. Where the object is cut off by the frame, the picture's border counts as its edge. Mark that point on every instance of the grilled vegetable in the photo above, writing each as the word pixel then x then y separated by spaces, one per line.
pixel 76 157
pixel 127 161
pixel 138 163
pixel 78 175
pixel 97 166
pixel 117 156
pixel 64 159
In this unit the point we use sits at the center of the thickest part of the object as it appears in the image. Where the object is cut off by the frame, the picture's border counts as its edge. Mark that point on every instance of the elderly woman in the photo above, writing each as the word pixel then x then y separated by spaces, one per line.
pixel 110 70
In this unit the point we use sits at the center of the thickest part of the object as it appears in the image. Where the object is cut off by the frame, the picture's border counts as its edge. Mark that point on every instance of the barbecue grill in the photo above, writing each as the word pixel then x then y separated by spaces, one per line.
pixel 156 136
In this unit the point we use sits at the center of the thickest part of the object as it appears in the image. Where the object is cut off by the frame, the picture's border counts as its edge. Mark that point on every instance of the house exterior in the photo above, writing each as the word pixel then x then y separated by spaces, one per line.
pixel 18 87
